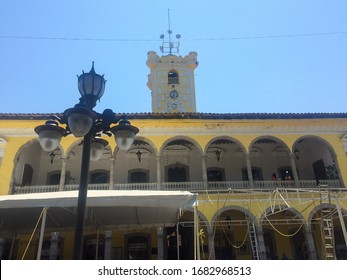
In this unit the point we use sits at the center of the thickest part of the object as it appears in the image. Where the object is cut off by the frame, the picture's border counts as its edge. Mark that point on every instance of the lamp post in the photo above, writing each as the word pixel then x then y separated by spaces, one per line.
pixel 82 121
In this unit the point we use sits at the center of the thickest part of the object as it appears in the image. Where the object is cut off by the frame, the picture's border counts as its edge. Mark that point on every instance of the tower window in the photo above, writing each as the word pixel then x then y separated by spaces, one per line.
pixel 173 77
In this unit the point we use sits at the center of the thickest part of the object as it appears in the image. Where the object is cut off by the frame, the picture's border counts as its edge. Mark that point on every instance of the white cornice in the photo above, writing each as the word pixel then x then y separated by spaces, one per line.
pixel 209 129
pixel 305 130
pixel 17 132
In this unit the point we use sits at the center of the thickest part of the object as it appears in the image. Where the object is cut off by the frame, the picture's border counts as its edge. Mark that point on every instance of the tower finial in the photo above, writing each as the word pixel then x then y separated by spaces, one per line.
pixel 170 46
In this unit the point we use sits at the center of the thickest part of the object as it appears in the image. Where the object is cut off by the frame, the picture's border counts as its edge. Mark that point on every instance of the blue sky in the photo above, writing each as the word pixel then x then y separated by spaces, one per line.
pixel 271 56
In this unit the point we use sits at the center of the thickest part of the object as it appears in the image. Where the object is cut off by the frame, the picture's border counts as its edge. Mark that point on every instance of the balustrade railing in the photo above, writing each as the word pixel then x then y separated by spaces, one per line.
pixel 186 186
pixel 136 186
pixel 35 189
pixel 226 185
pixel 273 184
pixel 182 186
pixel 325 183
pixel 94 187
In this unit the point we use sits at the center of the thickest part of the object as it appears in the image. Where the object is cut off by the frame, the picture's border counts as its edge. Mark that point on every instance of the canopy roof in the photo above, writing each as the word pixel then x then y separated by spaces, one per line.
pixel 105 208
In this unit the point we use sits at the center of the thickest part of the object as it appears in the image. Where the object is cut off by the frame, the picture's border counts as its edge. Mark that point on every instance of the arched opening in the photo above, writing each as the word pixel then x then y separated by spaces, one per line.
pixel 53 177
pixel 137 246
pixel 270 162
pixel 99 171
pixel 137 165
pixel 215 174
pixel 185 242
pixel 34 169
pixel 94 247
pixel 99 177
pixel 182 164
pixel 231 235
pixel 225 159
pixel 284 234
pixel 327 230
pixel 177 173
pixel 173 78
pixel 316 162
pixel 27 177
pixel 138 176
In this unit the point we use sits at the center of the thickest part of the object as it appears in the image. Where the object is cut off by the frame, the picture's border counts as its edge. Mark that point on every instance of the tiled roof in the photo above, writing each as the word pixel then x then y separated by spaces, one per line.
pixel 217 116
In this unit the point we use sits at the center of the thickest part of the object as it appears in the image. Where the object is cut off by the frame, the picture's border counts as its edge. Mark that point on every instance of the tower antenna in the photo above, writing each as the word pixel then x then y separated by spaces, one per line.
pixel 170 47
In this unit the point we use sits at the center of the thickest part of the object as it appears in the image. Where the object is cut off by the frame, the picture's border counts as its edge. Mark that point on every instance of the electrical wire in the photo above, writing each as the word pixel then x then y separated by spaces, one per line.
pixel 189 39
pixel 268 36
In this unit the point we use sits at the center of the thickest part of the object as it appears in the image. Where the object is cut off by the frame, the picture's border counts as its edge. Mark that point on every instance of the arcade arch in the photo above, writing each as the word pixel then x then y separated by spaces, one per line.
pixel 316 160
pixel 269 155
pixel 35 167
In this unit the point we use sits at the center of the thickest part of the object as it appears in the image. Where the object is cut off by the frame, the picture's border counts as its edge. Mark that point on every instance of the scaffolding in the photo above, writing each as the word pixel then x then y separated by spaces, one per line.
pixel 271 202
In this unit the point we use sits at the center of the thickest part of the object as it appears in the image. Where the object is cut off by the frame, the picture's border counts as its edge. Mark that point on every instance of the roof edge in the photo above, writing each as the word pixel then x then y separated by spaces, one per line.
pixel 216 116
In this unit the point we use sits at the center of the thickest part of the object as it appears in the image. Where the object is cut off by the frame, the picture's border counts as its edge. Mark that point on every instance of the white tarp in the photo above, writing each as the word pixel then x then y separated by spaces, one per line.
pixel 106 207
pixel 168 199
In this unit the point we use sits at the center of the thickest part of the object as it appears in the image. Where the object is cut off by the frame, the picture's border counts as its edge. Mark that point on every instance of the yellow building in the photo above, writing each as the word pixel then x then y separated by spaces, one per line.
pixel 192 185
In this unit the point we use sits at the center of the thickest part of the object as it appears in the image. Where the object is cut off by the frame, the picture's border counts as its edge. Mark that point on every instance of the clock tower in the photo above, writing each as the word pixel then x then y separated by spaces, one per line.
pixel 171 79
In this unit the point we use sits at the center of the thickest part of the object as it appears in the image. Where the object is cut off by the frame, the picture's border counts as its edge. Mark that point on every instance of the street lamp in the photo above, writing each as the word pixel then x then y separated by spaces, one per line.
pixel 82 121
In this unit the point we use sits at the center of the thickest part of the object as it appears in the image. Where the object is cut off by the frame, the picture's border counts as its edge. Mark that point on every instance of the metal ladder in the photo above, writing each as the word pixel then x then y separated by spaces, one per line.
pixel 328 235
pixel 253 239
pixel 327 230
pixel 252 234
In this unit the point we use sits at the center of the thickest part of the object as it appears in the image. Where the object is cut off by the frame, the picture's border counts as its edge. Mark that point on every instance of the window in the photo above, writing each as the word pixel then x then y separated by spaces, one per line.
pixel 94 247
pixel 138 176
pixel 215 174
pixel 99 177
pixel 137 247
pixel 256 173
pixel 177 173
pixel 27 175
pixel 54 178
pixel 319 170
pixel 173 78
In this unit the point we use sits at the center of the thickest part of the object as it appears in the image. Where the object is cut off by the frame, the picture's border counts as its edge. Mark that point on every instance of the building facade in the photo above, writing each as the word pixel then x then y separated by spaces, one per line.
pixel 192 186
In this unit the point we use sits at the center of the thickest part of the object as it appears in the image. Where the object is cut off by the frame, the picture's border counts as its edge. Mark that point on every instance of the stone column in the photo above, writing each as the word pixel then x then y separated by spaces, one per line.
pixel 111 181
pixel 261 243
pixel 204 171
pixel 310 243
pixel 160 242
pixel 249 171
pixel 158 172
pixel 211 251
pixel 294 171
pixel 54 247
pixel 62 174
pixel 108 245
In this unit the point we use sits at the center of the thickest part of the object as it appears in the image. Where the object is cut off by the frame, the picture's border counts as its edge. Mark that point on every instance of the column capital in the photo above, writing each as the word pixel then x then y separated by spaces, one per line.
pixel 55 235
pixel 160 230
pixel 292 155
pixel 108 233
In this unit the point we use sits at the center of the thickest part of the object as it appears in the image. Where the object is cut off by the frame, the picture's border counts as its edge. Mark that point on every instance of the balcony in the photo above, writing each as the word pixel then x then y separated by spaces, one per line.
pixel 222 186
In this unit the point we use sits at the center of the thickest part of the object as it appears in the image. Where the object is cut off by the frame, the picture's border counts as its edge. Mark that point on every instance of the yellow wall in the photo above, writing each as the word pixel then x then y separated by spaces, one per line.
pixel 159 131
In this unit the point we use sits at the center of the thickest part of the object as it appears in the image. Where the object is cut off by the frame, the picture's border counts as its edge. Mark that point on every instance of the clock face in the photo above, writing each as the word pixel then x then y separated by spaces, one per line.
pixel 173 94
